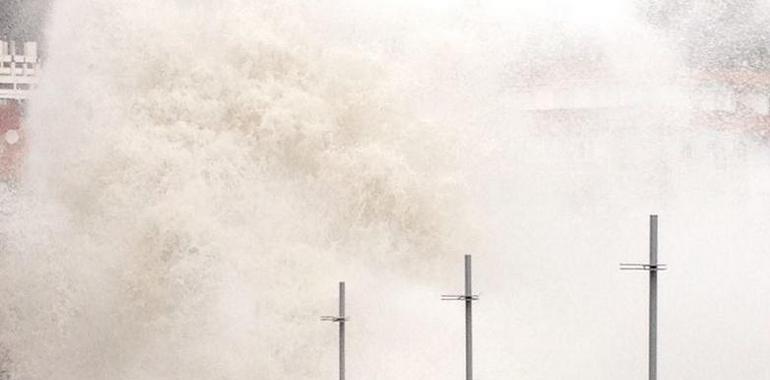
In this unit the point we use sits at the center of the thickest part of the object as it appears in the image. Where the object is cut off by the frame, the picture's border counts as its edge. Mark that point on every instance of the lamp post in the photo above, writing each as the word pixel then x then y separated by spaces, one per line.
pixel 653 267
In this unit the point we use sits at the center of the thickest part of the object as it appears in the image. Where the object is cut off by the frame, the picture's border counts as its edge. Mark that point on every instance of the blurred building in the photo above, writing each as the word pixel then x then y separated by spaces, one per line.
pixel 19 67
pixel 726 46
pixel 725 81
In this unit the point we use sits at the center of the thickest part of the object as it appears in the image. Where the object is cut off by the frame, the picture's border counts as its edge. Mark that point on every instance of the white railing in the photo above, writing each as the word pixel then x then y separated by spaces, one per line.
pixel 18 69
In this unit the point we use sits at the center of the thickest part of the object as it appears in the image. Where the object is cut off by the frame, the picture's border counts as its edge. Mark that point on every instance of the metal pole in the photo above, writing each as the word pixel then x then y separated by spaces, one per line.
pixel 468 320
pixel 468 297
pixel 342 330
pixel 341 319
pixel 653 267
pixel 653 339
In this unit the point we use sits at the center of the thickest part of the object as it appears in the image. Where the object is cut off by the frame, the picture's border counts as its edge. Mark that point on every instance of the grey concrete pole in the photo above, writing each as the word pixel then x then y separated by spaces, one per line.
pixel 653 339
pixel 342 330
pixel 341 319
pixel 468 320
pixel 653 267
pixel 468 297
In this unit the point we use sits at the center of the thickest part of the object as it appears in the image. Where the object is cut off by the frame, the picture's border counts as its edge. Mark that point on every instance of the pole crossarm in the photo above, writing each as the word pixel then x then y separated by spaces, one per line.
pixel 645 267
pixel 331 318
pixel 459 297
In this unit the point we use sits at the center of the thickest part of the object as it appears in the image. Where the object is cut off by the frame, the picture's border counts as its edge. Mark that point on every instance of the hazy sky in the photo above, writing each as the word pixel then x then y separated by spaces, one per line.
pixel 22 19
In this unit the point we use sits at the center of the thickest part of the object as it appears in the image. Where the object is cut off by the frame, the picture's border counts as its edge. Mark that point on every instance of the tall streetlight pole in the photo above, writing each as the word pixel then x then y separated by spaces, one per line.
pixel 653 267
pixel 468 298
pixel 341 319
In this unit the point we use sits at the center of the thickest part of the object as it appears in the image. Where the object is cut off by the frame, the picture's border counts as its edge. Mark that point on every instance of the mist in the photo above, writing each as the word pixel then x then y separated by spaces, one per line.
pixel 200 175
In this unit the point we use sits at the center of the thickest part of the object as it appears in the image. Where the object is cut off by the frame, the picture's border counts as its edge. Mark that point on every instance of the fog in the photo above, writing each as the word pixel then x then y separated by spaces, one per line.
pixel 200 174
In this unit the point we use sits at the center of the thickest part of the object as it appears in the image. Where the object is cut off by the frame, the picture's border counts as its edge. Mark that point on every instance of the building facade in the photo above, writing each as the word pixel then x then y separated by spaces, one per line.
pixel 19 67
